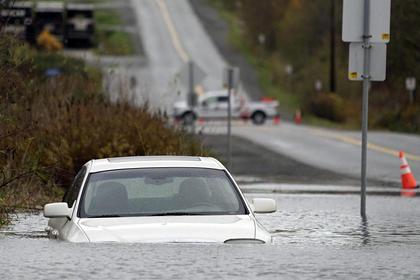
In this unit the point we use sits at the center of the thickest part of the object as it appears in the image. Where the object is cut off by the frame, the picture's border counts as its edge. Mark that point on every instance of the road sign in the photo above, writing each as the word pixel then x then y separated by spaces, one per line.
pixel 235 79
pixel 410 83
pixel 377 62
pixel 52 72
pixel 379 20
pixel 288 69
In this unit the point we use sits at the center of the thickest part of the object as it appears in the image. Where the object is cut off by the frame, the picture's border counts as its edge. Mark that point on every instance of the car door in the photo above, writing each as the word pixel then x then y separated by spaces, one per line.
pixel 223 105
pixel 208 107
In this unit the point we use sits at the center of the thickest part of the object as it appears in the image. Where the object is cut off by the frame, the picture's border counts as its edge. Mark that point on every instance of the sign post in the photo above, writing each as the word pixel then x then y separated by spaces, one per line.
pixel 192 97
pixel 229 120
pixel 231 82
pixel 410 84
pixel 365 105
pixel 366 25
pixel 189 76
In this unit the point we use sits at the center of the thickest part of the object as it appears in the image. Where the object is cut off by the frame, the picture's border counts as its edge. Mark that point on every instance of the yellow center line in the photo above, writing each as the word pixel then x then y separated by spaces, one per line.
pixel 172 31
pixel 182 53
pixel 356 142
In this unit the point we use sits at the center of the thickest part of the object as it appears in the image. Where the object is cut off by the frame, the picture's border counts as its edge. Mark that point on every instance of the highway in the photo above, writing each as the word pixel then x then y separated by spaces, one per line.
pixel 172 35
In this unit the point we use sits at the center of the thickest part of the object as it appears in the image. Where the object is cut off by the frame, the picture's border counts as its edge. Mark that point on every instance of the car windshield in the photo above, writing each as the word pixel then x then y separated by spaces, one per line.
pixel 160 192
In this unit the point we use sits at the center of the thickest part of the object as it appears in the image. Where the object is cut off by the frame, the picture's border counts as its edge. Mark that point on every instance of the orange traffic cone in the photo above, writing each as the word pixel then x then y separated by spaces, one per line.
pixel 407 178
pixel 276 120
pixel 201 121
pixel 298 117
pixel 408 193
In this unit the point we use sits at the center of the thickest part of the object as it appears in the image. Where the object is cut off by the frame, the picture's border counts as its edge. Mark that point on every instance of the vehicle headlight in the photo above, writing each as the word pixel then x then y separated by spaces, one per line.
pixel 244 241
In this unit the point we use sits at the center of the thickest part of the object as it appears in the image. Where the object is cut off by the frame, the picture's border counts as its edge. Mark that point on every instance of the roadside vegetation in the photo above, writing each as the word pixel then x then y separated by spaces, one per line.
pixel 50 126
pixel 275 33
pixel 110 37
pixel 114 42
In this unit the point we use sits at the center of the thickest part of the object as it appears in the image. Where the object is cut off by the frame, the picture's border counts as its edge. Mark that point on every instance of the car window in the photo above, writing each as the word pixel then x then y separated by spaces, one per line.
pixel 160 191
pixel 222 99
pixel 209 101
pixel 72 193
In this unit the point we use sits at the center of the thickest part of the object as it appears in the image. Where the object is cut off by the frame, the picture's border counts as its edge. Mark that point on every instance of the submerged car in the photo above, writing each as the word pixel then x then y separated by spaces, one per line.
pixel 157 199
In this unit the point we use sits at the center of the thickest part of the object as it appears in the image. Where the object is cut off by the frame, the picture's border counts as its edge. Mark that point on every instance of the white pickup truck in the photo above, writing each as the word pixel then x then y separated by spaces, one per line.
pixel 213 105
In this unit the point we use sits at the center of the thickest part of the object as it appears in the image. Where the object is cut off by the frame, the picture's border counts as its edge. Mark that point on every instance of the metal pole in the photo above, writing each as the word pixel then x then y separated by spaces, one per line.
pixel 229 124
pixel 332 48
pixel 191 92
pixel 411 93
pixel 365 105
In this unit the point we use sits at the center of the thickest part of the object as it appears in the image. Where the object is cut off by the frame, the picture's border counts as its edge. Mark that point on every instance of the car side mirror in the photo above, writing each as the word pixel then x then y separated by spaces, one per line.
pixel 264 205
pixel 57 210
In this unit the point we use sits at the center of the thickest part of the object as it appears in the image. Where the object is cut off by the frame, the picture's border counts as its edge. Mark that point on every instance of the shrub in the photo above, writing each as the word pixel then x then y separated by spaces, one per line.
pixel 406 119
pixel 328 106
pixel 49 127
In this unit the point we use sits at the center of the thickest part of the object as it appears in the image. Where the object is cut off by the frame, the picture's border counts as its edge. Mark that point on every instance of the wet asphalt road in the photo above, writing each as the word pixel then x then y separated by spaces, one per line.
pixel 172 33
pixel 253 162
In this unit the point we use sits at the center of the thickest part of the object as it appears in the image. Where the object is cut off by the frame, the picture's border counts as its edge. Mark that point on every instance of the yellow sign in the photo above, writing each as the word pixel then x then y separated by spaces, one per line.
pixel 353 76
pixel 386 37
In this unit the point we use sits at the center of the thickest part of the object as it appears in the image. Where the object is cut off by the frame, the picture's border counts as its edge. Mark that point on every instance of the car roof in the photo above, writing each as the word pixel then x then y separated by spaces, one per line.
pixel 98 165
pixel 79 6
pixel 215 93
pixel 50 7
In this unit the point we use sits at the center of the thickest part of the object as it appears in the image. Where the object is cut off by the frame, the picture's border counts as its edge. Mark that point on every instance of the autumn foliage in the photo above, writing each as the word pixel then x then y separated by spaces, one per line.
pixel 298 32
pixel 49 127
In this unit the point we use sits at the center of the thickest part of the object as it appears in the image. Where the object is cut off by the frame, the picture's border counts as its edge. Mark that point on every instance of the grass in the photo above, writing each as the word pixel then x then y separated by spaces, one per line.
pixel 107 17
pixel 112 42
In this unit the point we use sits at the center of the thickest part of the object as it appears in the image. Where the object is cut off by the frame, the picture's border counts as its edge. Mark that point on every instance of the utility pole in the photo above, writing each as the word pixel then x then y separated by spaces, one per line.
pixel 332 48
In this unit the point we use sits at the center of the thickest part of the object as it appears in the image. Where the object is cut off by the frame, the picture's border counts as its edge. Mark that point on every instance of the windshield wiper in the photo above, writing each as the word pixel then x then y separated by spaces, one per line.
pixel 105 216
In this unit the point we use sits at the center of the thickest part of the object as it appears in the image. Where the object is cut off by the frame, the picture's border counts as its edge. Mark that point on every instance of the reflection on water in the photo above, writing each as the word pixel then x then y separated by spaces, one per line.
pixel 315 236
pixel 364 229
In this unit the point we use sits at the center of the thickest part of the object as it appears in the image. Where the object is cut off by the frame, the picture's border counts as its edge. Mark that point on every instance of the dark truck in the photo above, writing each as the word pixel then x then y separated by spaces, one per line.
pixel 80 26
pixel 50 15
pixel 16 19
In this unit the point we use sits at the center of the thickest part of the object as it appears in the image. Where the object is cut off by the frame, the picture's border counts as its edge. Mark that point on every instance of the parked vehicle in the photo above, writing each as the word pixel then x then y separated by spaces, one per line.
pixel 214 105
pixel 80 26
pixel 157 199
pixel 50 15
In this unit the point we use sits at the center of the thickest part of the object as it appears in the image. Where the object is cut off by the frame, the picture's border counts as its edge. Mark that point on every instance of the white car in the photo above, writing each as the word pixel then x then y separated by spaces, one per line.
pixel 213 105
pixel 157 199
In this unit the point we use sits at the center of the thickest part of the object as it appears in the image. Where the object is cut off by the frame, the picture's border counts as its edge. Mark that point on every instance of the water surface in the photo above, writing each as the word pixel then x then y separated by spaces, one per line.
pixel 315 236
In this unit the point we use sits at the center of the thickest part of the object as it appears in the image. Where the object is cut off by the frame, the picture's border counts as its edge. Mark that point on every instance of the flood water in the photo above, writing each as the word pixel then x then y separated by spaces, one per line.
pixel 316 236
